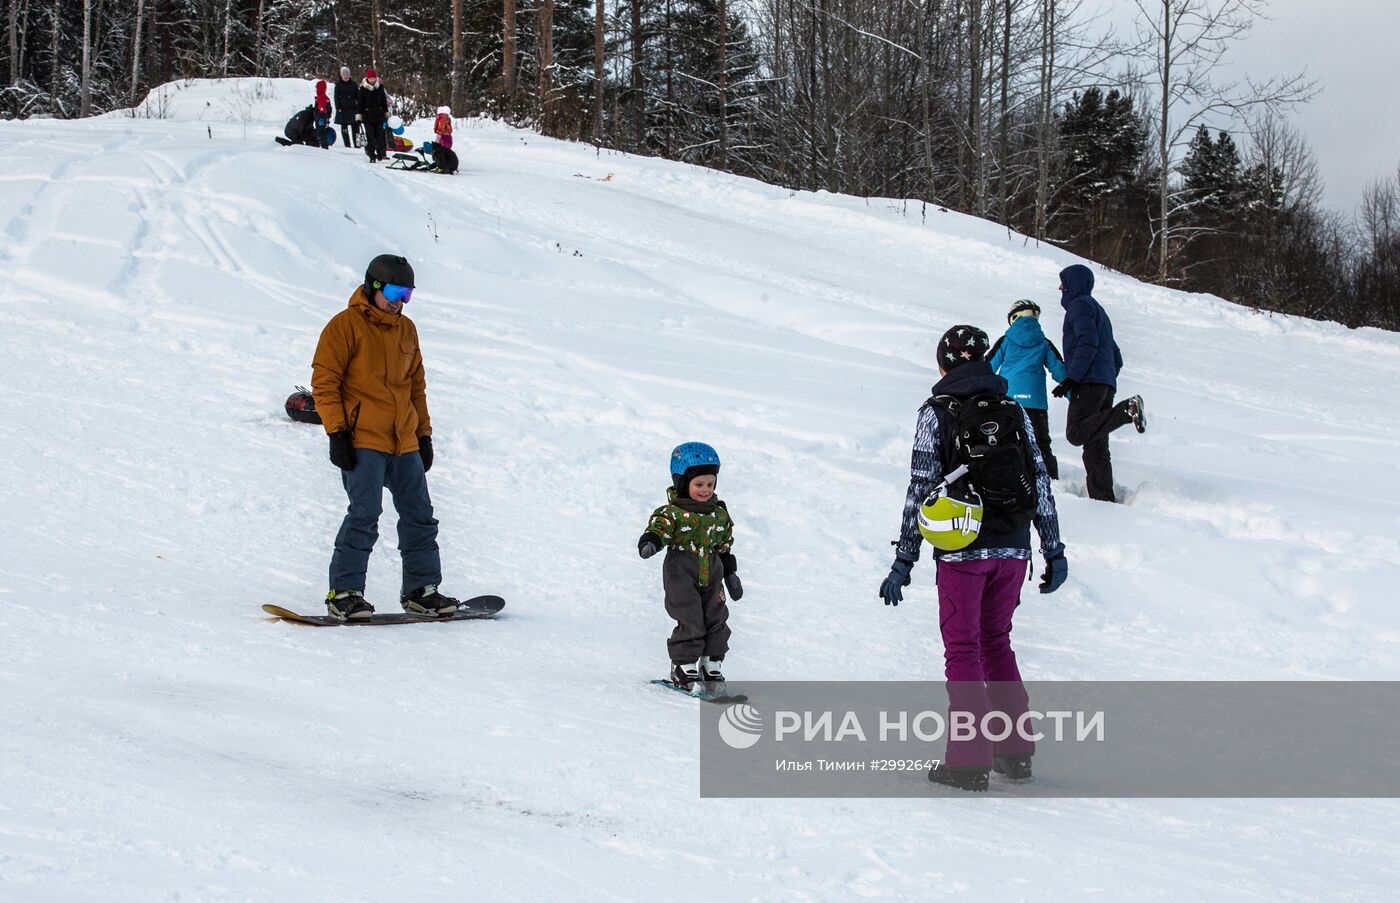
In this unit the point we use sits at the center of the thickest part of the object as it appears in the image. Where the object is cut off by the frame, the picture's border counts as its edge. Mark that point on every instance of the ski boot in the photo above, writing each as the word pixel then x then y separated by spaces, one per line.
pixel 974 779
pixel 428 602
pixel 1015 768
pixel 348 605
pixel 1137 410
pixel 711 674
pixel 685 675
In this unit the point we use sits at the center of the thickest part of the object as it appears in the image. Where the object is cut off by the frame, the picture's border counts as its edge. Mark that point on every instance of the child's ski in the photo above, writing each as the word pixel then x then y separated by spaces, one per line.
pixel 702 693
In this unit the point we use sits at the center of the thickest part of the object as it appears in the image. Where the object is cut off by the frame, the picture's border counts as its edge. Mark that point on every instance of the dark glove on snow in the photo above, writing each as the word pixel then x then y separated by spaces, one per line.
pixel 1065 388
pixel 648 545
pixel 425 451
pixel 1056 569
pixel 343 450
pixel 892 589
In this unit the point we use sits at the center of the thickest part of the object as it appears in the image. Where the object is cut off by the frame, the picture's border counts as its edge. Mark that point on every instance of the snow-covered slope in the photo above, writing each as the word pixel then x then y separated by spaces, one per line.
pixel 163 282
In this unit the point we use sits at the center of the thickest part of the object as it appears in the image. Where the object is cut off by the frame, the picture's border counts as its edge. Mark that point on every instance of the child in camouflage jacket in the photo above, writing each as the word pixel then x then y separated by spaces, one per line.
pixel 695 529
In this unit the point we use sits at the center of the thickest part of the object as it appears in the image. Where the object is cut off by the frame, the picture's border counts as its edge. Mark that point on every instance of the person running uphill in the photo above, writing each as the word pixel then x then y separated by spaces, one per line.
pixel 1092 363
pixel 368 383
pixel 694 528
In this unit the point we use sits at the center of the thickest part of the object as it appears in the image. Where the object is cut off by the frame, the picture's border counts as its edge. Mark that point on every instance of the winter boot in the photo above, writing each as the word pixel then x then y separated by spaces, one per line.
pixel 1137 410
pixel 1016 768
pixel 428 602
pixel 685 675
pixel 713 677
pixel 348 605
pixel 974 779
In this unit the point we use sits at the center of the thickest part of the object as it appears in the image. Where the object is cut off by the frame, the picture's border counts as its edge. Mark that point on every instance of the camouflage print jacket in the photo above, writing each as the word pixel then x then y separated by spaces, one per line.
pixel 699 528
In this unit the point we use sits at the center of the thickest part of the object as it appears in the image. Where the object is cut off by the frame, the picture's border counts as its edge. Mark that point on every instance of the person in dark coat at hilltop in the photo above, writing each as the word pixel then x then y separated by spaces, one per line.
pixel 301 129
pixel 374 112
pixel 347 106
pixel 1092 362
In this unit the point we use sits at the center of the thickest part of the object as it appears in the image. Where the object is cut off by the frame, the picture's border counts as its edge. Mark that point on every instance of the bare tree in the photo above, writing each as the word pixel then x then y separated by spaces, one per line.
pixel 14 41
pixel 723 160
pixel 599 23
pixel 456 77
pixel 508 49
pixel 85 96
pixel 136 48
pixel 546 55
pixel 1184 40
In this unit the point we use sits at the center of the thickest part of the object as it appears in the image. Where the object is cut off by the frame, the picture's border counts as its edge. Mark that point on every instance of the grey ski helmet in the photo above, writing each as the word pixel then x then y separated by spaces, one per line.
pixel 1021 308
pixel 387 269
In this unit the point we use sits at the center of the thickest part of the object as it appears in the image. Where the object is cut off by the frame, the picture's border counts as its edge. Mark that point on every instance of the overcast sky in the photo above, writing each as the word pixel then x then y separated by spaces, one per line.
pixel 1353 48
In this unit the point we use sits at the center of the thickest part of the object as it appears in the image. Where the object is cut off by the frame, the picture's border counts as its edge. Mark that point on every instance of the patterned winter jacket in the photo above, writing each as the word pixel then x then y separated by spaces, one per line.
pixel 700 528
pixel 930 460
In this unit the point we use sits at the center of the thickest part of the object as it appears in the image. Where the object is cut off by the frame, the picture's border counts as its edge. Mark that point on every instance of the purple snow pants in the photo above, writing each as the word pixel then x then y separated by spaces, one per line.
pixel 975 602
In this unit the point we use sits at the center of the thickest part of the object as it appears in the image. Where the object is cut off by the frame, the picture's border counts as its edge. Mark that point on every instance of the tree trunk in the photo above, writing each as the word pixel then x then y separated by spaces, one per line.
pixel 599 20
pixel 929 189
pixel 376 55
pixel 85 89
pixel 828 106
pixel 723 85
pixel 1164 145
pixel 55 23
pixel 1004 151
pixel 228 37
pixel 974 106
pixel 508 50
pixel 670 148
pixel 455 92
pixel 1047 78
pixel 639 104
pixel 14 41
pixel 136 52
pixel 546 51
pixel 257 40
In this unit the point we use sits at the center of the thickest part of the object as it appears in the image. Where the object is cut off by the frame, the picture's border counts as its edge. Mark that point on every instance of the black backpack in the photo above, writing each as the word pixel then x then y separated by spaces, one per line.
pixel 989 435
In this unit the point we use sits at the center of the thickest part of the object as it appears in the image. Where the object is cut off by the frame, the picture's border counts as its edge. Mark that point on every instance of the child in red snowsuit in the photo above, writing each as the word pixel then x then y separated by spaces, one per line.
pixel 323 116
pixel 442 128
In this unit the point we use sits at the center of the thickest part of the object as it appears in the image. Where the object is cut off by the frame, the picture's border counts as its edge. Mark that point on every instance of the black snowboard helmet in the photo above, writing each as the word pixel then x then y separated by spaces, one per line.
pixel 1021 308
pixel 387 269
pixel 301 407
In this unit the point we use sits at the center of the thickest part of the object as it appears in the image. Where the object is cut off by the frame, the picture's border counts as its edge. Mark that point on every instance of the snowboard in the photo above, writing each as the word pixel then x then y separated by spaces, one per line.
pixel 705 695
pixel 472 609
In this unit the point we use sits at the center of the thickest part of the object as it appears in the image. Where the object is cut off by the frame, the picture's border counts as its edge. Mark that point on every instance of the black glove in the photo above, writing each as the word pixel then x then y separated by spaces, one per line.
pixel 892 589
pixel 648 545
pixel 1065 388
pixel 735 588
pixel 425 451
pixel 1056 568
pixel 343 450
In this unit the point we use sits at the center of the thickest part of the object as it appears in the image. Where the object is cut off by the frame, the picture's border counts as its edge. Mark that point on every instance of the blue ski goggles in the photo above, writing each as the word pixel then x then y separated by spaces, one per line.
pixel 397 294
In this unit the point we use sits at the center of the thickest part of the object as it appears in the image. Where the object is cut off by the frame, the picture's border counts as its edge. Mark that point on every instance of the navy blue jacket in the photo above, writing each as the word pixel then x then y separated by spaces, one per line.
pixel 1091 355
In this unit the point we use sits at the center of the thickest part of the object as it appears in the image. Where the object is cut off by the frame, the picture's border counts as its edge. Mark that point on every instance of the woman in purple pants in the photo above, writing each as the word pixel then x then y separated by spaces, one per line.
pixel 979 586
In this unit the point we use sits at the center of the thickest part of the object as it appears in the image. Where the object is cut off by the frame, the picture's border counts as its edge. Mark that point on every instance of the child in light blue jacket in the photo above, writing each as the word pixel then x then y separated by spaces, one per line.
pixel 1021 357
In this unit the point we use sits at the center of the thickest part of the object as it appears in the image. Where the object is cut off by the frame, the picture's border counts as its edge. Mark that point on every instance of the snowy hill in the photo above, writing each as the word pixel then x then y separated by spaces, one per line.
pixel 164 283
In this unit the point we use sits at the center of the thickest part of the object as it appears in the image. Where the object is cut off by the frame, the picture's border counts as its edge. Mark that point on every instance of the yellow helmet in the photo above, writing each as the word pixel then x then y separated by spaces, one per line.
pixel 951 517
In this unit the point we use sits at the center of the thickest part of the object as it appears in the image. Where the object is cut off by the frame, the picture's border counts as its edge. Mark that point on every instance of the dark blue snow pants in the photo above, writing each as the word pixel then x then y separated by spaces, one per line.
pixel 403 475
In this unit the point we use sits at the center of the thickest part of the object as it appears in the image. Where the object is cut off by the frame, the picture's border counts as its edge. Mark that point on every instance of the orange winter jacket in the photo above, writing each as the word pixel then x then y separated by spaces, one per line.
pixel 367 377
